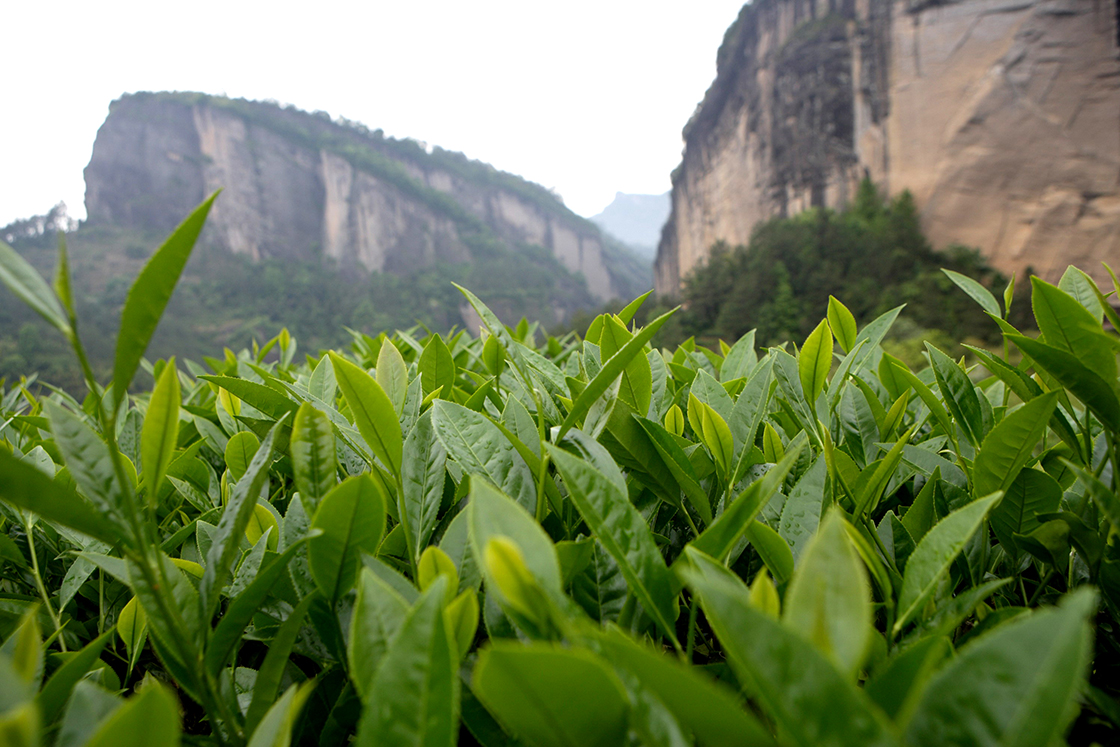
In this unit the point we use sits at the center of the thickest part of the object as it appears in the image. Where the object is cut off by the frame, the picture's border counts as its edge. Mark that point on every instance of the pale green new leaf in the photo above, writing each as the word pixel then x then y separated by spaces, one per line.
pixel 815 361
pixel 161 429
pixel 829 601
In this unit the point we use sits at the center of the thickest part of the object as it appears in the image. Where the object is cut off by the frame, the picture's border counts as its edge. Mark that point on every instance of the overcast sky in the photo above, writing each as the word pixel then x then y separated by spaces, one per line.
pixel 585 97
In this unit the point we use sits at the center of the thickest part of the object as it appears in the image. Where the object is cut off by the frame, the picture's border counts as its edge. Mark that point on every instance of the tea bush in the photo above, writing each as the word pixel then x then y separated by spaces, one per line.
pixel 426 540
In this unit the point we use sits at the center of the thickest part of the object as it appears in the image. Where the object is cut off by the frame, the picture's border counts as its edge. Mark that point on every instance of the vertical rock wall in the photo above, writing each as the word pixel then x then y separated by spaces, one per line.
pixel 1001 116
pixel 157 156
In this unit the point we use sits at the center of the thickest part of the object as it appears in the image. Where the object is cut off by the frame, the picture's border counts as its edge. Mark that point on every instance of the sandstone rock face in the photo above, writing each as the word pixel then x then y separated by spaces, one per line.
pixel 298 186
pixel 1002 117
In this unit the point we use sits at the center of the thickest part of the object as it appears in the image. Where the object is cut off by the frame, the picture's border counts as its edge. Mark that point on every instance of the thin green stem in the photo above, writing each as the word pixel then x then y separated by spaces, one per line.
pixel 690 641
pixel 41 587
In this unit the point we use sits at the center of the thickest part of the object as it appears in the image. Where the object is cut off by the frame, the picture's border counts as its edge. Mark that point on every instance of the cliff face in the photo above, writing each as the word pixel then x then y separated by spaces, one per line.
pixel 299 186
pixel 1002 117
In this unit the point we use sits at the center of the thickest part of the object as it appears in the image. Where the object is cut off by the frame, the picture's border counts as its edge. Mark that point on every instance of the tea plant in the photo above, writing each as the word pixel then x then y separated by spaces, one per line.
pixel 430 539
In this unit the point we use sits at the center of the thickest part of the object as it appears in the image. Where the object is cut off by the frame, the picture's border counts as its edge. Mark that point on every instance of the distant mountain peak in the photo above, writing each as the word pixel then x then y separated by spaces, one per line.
pixel 635 220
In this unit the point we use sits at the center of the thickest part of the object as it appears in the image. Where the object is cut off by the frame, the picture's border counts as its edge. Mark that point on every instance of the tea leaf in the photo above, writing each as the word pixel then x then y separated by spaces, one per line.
pixel 815 361
pixel 829 601
pixel 28 285
pixel 373 412
pixel 351 518
pixel 1009 445
pixel 610 371
pixel 799 688
pixel 1015 685
pixel 935 553
pixel 314 460
pixel 148 297
pixel 621 530
pixel 150 717
pixel 551 696
pixel 161 429
pixel 414 696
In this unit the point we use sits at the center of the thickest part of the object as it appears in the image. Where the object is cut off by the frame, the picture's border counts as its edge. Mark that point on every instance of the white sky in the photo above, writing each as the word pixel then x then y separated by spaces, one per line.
pixel 587 98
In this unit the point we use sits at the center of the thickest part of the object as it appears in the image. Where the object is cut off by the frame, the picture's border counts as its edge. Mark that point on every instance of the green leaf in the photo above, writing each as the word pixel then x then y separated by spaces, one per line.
pixel 898 685
pixel 1017 685
pixel 436 366
pixel 379 612
pixel 90 465
pixel 415 694
pixel 801 513
pixel 809 699
pixel 975 291
pixel 132 626
pixel 828 601
pixel 959 394
pixel 422 474
pixel 740 359
pixel 715 434
pixel 679 465
pixel 718 539
pixel 620 528
pixel 1099 394
pixel 815 361
pixel 314 459
pixel 636 385
pixel 928 397
pixel 392 374
pixel 1106 500
pixel 1033 492
pixel 1010 444
pixel 275 729
pixel 842 323
pixel 1069 326
pixel 227 635
pixel 231 527
pixel 276 661
pixel 24 280
pixel 239 453
pixel 148 297
pixel 493 514
pixel 935 553
pixel 161 429
pixel 710 711
pixel 351 519
pixel 773 550
pixel 750 408
pixel 151 717
pixel 373 412
pixel 267 400
pixel 1085 291
pixel 481 449
pixel 611 370
pixel 24 486
pixel 631 308
pixel 549 696
pixel 57 689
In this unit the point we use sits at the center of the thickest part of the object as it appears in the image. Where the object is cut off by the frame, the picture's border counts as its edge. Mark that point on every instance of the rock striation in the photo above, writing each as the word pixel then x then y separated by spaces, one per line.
pixel 301 186
pixel 1002 117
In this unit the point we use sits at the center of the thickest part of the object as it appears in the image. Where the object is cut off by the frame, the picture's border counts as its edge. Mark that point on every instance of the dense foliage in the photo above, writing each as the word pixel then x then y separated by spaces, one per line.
pixel 874 255
pixel 424 540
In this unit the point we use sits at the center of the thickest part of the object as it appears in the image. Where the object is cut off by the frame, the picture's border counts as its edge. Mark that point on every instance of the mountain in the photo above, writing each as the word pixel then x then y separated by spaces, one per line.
pixel 303 187
pixel 635 220
pixel 999 116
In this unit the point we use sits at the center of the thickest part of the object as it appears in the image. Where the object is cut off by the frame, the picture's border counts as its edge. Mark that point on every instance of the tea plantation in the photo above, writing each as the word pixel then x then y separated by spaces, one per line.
pixel 432 540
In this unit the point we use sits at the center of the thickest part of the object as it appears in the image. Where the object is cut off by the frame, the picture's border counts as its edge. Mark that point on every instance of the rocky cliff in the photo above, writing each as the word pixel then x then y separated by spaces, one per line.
pixel 300 186
pixel 1002 117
